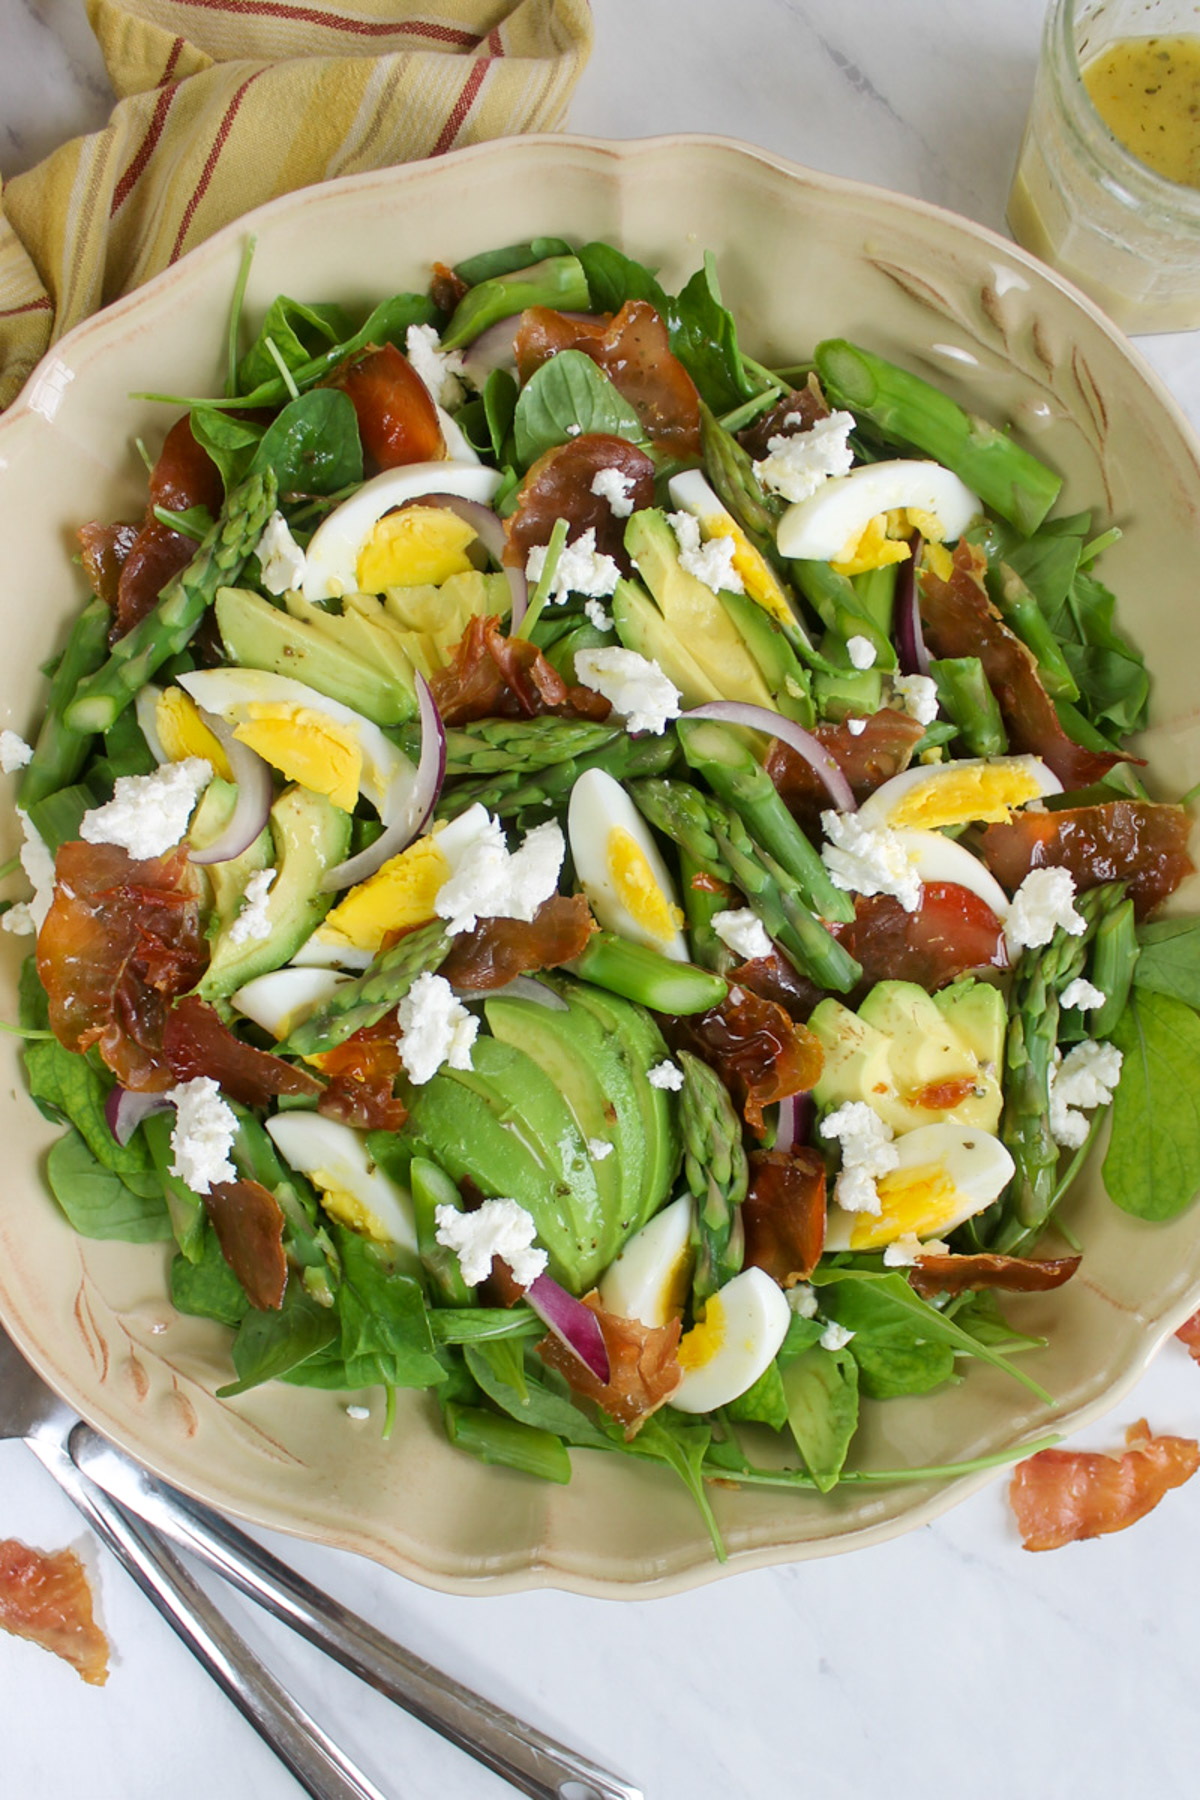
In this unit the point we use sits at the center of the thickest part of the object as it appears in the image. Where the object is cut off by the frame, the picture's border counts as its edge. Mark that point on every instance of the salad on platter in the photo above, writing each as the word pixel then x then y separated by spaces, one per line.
pixel 601 880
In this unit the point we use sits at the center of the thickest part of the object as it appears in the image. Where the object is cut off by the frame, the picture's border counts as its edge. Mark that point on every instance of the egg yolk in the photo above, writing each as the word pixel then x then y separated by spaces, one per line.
pixel 883 540
pixel 954 796
pixel 706 1339
pixel 183 733
pixel 348 1209
pixel 419 544
pixel 638 890
pixel 939 559
pixel 399 894
pixel 756 573
pixel 912 1202
pixel 307 746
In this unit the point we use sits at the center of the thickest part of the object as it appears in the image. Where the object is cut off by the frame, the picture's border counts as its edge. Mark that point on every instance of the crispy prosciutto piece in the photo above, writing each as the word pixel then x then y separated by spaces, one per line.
pixel 756 1049
pixel 121 940
pixel 883 749
pixel 1134 841
pixel 634 350
pixel 155 557
pixel 185 475
pixel 949 1274
pixel 45 1598
pixel 783 1214
pixel 960 620
pixel 643 1370
pixel 447 287
pixel 495 675
pixel 497 950
pixel 951 931
pixel 1060 1496
pixel 104 549
pixel 797 411
pixel 195 1042
pixel 774 978
pixel 1189 1334
pixel 362 1073
pixel 248 1221
pixel 559 486
pixel 397 419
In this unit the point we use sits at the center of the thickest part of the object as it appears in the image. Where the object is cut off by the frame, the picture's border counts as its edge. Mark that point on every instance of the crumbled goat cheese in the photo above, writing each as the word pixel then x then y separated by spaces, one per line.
pixel 497 1228
pixel 803 1300
pixel 834 1336
pixel 617 489
pixel 253 923
pixel 867 1154
pixel 14 752
pixel 148 814
pixel 856 727
pixel 597 616
pixel 38 865
pixel 19 919
pixel 918 696
pixel 711 562
pixel 798 464
pixel 1044 902
pixel 580 569
pixel 439 369
pixel 743 932
pixel 1085 1078
pixel 667 1075
pixel 280 556
pixel 489 881
pixel 202 1136
pixel 599 1148
pixel 902 1252
pixel 1082 995
pixel 436 1028
pixel 863 861
pixel 634 685
pixel 358 1412
pixel 861 652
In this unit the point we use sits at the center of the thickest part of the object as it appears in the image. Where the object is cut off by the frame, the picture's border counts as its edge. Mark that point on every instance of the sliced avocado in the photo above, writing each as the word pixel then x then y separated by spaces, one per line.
pixel 898 1049
pixel 854 694
pixel 978 1014
pixel 228 879
pixel 445 612
pixel 778 663
pixel 857 1062
pixel 261 636
pixel 310 835
pixel 925 1047
pixel 641 627
pixel 460 1129
pixel 363 629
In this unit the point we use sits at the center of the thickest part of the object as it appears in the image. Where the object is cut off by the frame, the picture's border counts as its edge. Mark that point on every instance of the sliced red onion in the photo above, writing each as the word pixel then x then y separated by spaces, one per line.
pixel 255 792
pixel 795 1118
pixel 519 588
pixel 124 1111
pixel 521 987
pixel 761 718
pixel 406 814
pixel 492 349
pixel 910 639
pixel 572 1323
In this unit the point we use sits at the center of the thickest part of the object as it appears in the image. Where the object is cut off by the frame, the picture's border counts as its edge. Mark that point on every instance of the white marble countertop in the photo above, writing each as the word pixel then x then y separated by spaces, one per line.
pixel 947 1661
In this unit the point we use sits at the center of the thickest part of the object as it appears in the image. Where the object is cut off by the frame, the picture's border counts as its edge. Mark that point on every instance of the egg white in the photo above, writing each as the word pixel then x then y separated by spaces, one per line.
pixel 823 527
pixel 972 1168
pixel 599 807
pixel 645 1280
pixel 936 857
pixel 279 1000
pixel 691 493
pixel 331 560
pixel 335 1160
pixel 955 784
pixel 753 1321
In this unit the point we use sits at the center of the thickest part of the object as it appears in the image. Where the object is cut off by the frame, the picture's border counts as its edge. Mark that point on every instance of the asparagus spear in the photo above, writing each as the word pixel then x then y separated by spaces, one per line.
pixel 516 746
pixel 731 472
pixel 965 693
pixel 653 980
pixel 841 608
pixel 509 792
pixel 60 753
pixel 1023 615
pixel 714 1163
pixel 166 630
pixel 365 1000
pixel 912 412
pixel 702 902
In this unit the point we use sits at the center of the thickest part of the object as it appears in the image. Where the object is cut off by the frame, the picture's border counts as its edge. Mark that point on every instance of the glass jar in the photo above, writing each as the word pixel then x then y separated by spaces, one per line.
pixel 1083 202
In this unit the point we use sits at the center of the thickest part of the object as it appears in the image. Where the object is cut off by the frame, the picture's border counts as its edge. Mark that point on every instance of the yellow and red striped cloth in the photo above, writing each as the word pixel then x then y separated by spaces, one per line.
pixel 223 104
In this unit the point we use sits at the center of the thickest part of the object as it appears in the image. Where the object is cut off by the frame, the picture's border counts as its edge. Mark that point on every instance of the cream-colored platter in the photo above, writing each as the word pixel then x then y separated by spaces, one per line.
pixel 801 256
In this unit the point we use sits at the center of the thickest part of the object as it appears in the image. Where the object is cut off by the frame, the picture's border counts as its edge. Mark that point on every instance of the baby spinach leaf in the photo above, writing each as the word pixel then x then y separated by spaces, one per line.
pixel 385 1330
pixel 614 278
pixel 541 1405
pixel 704 338
pixel 96 1202
pixel 765 1403
pixel 566 396
pixel 66 1086
pixel 208 1287
pixel 1152 1168
pixel 499 406
pixel 683 1445
pixel 1170 959
pixel 492 263
pixel 313 447
pixel 821 1388
pixel 298 332
pixel 230 442
pixel 887 1370
pixel 273 1344
pixel 476 1324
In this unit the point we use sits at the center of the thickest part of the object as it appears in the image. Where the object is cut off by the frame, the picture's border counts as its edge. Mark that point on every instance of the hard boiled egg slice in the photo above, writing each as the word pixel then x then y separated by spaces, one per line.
pixel 939 858
pixel 946 1173
pixel 354 1189
pixel 318 742
pixel 830 524
pixel 691 493
pixel 933 795
pixel 357 532
pixel 739 1336
pixel 649 1279
pixel 280 1000
pixel 620 869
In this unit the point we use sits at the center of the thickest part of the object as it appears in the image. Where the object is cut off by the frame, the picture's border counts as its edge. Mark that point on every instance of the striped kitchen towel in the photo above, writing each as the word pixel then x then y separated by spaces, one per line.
pixel 223 104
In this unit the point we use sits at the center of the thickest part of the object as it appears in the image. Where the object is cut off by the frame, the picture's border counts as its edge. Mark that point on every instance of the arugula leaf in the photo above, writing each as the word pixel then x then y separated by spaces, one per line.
pixel 490 264
pixel 96 1202
pixel 1152 1168
pixel 614 278
pixel 548 1408
pixel 821 1387
pixel 567 396
pixel 313 447
pixel 704 338
pixel 887 1369
pixel 208 1287
pixel 273 1344
pixel 683 1446
pixel 765 1403
pixel 1169 962
pixel 298 332
pixel 385 1334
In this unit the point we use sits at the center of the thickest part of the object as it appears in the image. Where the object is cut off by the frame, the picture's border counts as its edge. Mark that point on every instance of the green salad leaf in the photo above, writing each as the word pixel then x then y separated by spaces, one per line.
pixel 566 397
pixel 97 1202
pixel 1169 962
pixel 1152 1168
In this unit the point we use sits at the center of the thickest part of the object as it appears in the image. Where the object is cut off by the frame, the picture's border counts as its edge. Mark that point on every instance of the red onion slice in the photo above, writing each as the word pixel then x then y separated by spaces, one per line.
pixel 124 1111
pixel 407 813
pixel 910 639
pixel 492 349
pixel 572 1323
pixel 521 987
pixel 760 718
pixel 795 1119
pixel 519 588
pixel 255 792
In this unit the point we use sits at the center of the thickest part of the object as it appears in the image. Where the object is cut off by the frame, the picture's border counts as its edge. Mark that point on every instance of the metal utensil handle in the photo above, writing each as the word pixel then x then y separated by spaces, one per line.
pixel 313 1758
pixel 532 1762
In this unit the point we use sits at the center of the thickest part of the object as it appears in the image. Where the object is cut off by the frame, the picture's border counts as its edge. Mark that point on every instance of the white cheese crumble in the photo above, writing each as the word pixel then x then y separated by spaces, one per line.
pixel 1082 996
pixel 634 685
pixel 666 1074
pixel 617 489
pixel 253 922
pixel 38 865
pixel 15 753
pixel 148 814
pixel 711 562
pixel 597 616
pixel 203 1134
pixel 835 1336
pixel 1085 1078
pixel 439 369
pixel 743 932
pixel 580 569
pixel 803 1300
pixel 863 861
pixel 436 1028
pixel 599 1148
pixel 796 465
pixel 497 1228
pixel 903 1252
pixel 861 652
pixel 867 1154
pixel 280 557
pixel 856 727
pixel 356 1412
pixel 19 920
pixel 1044 902
pixel 488 880
pixel 918 696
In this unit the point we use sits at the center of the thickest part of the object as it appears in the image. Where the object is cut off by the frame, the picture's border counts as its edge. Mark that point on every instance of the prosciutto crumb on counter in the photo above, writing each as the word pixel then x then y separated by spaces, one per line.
pixel 1062 1496
pixel 45 1597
